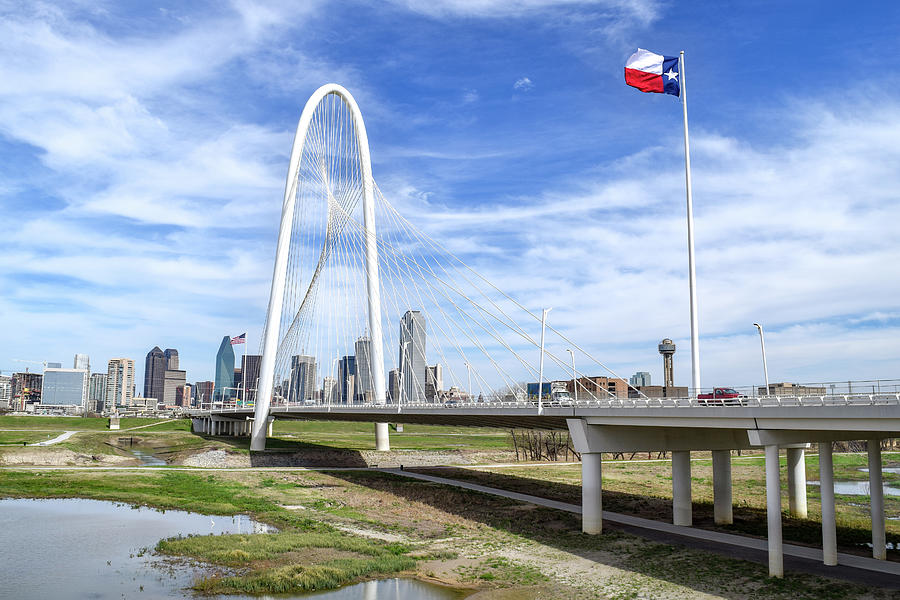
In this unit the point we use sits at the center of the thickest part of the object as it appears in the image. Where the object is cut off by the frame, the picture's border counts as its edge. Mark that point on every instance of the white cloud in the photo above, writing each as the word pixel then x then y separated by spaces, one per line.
pixel 797 236
pixel 523 84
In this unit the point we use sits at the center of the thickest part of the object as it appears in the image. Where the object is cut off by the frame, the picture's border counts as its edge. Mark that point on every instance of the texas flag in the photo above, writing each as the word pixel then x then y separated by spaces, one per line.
pixel 650 72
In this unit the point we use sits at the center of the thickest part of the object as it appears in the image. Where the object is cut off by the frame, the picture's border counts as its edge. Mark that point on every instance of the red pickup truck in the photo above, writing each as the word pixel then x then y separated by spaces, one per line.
pixel 720 396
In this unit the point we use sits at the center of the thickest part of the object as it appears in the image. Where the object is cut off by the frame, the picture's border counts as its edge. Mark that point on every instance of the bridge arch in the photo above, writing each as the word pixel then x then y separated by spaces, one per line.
pixel 308 134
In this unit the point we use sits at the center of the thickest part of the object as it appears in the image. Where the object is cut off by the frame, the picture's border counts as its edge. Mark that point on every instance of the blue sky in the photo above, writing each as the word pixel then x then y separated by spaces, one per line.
pixel 144 147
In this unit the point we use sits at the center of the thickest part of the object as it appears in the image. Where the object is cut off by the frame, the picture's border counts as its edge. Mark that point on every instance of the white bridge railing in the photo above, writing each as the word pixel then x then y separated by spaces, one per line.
pixel 876 399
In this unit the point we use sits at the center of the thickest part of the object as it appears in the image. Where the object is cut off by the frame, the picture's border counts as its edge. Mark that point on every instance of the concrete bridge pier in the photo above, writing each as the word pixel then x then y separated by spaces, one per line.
pixel 722 495
pixel 829 528
pixel 591 492
pixel 773 511
pixel 382 437
pixel 681 488
pixel 876 500
pixel 796 465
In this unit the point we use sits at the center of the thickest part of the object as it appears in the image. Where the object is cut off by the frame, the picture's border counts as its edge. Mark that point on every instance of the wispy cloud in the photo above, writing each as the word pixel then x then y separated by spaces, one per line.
pixel 523 84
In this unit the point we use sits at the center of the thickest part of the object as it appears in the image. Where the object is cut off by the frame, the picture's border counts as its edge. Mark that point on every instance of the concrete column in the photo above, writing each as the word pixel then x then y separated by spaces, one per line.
pixel 215 427
pixel 681 487
pixel 773 511
pixel 829 529
pixel 591 492
pixel 796 464
pixel 382 437
pixel 876 500
pixel 269 427
pixel 722 503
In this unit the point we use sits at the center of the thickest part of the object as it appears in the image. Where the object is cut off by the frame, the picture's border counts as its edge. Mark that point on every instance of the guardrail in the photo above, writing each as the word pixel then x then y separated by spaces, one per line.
pixel 883 399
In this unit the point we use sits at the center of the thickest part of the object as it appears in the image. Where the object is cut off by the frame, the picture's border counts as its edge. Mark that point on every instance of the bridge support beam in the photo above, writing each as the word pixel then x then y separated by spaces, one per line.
pixel 382 437
pixel 876 502
pixel 681 488
pixel 773 511
pixel 591 492
pixel 829 528
pixel 270 426
pixel 722 499
pixel 796 464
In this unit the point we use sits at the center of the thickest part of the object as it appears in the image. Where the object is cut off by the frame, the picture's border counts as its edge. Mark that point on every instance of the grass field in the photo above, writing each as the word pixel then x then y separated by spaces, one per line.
pixel 645 489
pixel 90 423
pixel 361 436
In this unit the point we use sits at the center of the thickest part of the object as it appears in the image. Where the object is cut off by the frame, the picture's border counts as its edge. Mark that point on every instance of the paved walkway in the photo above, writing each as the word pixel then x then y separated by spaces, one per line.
pixel 56 440
pixel 705 537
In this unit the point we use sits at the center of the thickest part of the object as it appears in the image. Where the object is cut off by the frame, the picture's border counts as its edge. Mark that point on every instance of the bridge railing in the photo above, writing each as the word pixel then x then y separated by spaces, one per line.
pixel 862 399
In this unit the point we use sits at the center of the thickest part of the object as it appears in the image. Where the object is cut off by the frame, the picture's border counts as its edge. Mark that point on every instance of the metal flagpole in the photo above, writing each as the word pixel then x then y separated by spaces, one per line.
pixel 695 336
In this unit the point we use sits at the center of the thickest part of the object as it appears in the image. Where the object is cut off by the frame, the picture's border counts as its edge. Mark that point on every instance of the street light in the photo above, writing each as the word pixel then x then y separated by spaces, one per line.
pixel 469 374
pixel 541 369
pixel 762 343
pixel 574 376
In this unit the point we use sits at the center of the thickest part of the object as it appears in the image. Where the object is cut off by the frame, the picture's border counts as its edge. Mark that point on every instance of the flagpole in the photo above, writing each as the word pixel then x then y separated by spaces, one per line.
pixel 692 276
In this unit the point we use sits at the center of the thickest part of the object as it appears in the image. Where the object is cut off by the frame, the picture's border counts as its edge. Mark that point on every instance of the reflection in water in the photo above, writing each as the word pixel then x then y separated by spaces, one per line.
pixel 858 488
pixel 147 459
pixel 98 549
pixel 74 548
pixel 389 589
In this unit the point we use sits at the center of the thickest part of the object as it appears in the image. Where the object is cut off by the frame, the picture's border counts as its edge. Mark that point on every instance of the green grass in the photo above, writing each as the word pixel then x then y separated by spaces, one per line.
pixel 361 436
pixel 91 423
pixel 30 437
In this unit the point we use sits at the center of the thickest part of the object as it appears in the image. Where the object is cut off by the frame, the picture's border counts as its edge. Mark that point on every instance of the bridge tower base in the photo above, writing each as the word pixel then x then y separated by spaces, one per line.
pixel 382 437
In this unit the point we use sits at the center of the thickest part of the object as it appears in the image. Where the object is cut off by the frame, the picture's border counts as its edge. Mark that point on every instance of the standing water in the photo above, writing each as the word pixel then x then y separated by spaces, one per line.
pixel 74 548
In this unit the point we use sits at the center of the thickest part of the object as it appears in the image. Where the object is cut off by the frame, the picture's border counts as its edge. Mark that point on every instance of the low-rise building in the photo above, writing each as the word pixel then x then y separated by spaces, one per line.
pixel 790 389
pixel 600 388
pixel 658 391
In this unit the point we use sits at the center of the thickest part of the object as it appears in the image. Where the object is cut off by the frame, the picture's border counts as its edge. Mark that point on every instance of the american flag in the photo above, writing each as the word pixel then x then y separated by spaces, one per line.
pixel 241 339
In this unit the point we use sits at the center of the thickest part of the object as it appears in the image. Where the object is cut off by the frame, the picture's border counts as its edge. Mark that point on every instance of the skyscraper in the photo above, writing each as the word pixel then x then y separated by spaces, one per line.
pixel 174 379
pixel 203 393
pixel 412 356
pixel 346 378
pixel 250 376
pixel 82 362
pixel 365 387
pixel 224 371
pixel 64 387
pixel 393 386
pixel 155 374
pixel 97 392
pixel 119 383
pixel 302 386
pixel 434 381
pixel 329 390
pixel 171 355
pixel 640 379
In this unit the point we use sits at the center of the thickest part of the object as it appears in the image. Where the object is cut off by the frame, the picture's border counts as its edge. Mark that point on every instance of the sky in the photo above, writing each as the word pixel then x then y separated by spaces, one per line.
pixel 144 145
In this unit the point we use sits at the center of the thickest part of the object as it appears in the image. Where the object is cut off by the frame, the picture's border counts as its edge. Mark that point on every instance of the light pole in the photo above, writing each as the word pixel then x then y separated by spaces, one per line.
pixel 574 376
pixel 762 343
pixel 540 385
pixel 469 374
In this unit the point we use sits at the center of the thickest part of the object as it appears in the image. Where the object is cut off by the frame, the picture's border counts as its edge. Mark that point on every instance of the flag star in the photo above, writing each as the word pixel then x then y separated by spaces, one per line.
pixel 672 74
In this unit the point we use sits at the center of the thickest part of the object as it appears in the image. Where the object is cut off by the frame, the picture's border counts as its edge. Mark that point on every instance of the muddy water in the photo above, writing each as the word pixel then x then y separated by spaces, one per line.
pixel 73 548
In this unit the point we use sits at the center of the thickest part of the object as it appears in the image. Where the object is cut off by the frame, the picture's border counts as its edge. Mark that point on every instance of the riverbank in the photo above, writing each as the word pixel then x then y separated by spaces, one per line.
pixel 351 525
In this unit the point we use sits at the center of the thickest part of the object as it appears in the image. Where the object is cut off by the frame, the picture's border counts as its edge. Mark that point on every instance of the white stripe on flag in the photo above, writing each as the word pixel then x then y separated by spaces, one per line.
pixel 646 61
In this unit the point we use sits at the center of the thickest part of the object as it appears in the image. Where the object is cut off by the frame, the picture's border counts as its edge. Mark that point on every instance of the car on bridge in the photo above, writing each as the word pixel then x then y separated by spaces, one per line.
pixel 721 396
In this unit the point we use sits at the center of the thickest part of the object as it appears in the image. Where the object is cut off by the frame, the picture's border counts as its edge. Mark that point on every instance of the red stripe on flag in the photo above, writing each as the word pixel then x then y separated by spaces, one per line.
pixel 646 82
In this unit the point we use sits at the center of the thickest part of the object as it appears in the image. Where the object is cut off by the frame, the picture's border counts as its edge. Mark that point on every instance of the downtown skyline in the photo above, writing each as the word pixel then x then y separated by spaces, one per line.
pixel 525 154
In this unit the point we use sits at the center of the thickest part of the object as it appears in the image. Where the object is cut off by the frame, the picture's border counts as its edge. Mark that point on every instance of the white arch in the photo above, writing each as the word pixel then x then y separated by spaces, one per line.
pixel 279 275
